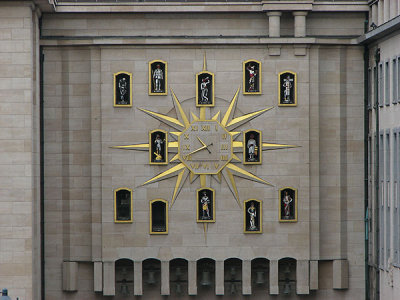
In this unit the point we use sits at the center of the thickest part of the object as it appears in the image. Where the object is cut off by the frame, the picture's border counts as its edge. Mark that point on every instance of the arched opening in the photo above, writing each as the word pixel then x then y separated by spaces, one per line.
pixel 206 277
pixel 260 276
pixel 287 276
pixel 123 278
pixel 178 277
pixel 151 276
pixel 233 277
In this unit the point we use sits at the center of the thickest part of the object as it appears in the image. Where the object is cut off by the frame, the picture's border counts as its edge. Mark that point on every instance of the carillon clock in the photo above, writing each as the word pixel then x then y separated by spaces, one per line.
pixel 207 147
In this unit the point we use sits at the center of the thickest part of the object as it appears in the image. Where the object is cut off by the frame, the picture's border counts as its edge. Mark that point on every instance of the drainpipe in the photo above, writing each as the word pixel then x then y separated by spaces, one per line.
pixel 366 134
pixel 377 60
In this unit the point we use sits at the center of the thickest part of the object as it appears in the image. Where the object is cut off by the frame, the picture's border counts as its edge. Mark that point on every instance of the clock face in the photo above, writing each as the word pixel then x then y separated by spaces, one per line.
pixel 205 147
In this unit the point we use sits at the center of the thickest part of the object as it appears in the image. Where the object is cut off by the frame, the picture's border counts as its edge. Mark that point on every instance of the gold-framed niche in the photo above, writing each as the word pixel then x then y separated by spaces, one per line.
pixel 252 77
pixel 252 147
pixel 205 89
pixel 158 216
pixel 252 216
pixel 287 204
pixel 158 77
pixel 158 142
pixel 205 205
pixel 123 205
pixel 123 89
pixel 287 88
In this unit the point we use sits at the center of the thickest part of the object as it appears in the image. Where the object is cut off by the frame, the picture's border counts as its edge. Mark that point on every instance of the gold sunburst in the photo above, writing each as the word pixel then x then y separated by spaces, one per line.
pixel 181 124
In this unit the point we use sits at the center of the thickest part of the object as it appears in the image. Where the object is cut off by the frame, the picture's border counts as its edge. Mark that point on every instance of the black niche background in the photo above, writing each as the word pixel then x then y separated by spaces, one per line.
pixel 126 100
pixel 282 78
pixel 153 145
pixel 123 205
pixel 257 218
pixel 256 66
pixel 200 78
pixel 210 196
pixel 153 67
pixel 292 213
pixel 257 138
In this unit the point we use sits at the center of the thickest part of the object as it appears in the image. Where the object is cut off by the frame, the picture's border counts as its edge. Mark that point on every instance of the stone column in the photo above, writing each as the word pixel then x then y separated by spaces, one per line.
pixel 300 23
pixel 386 10
pixel 109 278
pixel 273 278
pixel 219 277
pixel 137 278
pixel 380 12
pixel 274 18
pixel 246 277
pixel 192 278
pixel 70 276
pixel 98 276
pixel 302 277
pixel 165 278
pixel 374 14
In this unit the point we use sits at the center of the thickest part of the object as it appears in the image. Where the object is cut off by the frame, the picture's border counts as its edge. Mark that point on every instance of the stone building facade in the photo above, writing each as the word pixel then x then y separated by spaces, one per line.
pixel 63 240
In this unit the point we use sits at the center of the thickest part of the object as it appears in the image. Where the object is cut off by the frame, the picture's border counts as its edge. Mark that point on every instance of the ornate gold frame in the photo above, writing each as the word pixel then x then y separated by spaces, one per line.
pixel 151 147
pixel 279 88
pixel 151 216
pixel 197 90
pixel 130 89
pixel 295 205
pixel 115 205
pixel 244 216
pixel 259 148
pixel 244 77
pixel 197 205
pixel 165 78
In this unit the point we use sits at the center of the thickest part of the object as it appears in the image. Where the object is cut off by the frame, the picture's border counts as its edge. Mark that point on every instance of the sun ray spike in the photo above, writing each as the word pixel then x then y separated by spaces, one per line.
pixel 228 176
pixel 271 146
pixel 237 144
pixel 203 181
pixel 193 177
pixel 166 174
pixel 194 117
pixel 237 171
pixel 173 145
pixel 175 133
pixel 143 147
pixel 202 113
pixel 204 62
pixel 205 227
pixel 182 176
pixel 234 156
pixel 236 122
pixel 179 110
pixel 217 177
pixel 175 158
pixel 175 123
pixel 216 116
pixel 231 109
pixel 234 134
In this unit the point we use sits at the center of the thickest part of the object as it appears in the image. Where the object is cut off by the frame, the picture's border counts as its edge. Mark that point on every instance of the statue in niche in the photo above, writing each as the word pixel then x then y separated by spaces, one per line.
pixel 122 89
pixel 252 142
pixel 252 216
pixel 157 77
pixel 252 77
pixel 288 205
pixel 204 89
pixel 287 87
pixel 205 205
pixel 252 213
pixel 158 143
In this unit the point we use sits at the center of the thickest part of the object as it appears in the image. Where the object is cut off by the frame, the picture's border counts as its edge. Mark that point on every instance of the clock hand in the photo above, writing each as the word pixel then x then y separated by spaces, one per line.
pixel 201 148
pixel 204 144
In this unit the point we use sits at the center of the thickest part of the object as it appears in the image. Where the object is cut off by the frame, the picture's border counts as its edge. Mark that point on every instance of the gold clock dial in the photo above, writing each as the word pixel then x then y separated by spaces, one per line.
pixel 205 147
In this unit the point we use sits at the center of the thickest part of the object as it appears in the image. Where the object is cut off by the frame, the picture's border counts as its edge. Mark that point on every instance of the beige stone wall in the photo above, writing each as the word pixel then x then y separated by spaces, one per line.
pixel 81 170
pixel 19 151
